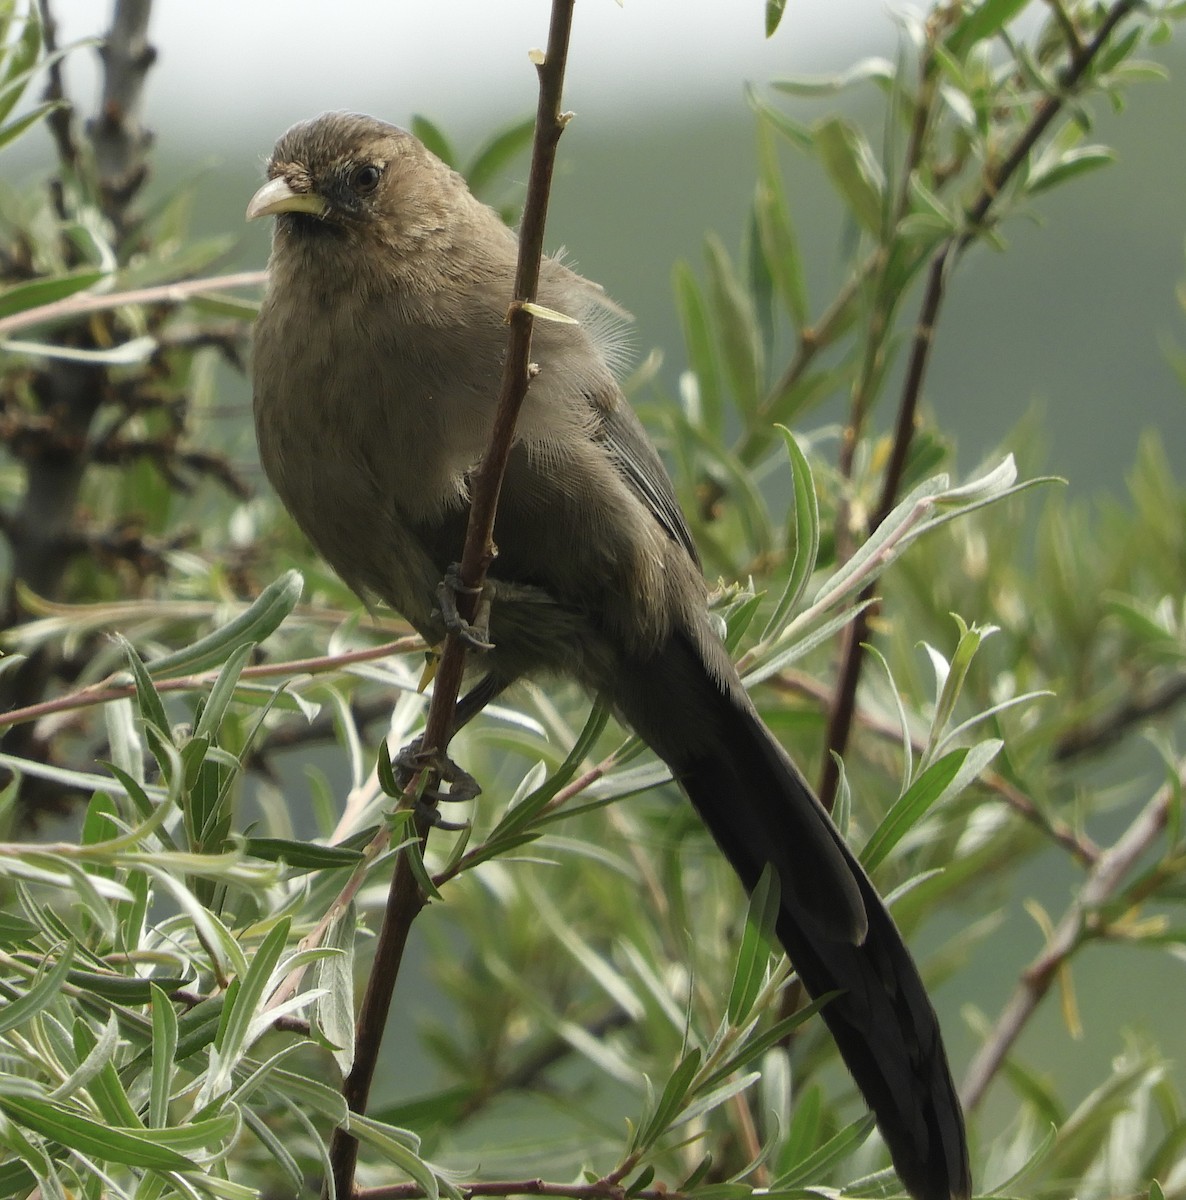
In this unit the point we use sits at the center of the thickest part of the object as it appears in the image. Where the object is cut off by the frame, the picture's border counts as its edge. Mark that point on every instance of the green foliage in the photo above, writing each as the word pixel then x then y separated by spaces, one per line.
pixel 178 969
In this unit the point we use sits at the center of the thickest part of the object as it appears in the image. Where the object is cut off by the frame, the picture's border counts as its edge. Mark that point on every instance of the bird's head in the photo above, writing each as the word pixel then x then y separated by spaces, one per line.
pixel 353 177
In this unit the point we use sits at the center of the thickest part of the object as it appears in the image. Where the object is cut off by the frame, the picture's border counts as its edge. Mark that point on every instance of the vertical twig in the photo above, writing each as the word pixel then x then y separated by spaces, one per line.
pixel 844 703
pixel 71 393
pixel 405 899
pixel 60 120
pixel 119 138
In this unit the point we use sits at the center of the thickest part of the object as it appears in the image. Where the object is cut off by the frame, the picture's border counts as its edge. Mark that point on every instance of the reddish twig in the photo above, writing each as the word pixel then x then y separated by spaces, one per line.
pixel 608 1188
pixel 405 899
pixel 90 302
pixel 106 691
pixel 841 716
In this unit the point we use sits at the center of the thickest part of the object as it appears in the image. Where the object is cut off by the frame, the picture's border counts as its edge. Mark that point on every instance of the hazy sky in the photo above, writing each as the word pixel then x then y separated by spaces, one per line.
pixel 230 63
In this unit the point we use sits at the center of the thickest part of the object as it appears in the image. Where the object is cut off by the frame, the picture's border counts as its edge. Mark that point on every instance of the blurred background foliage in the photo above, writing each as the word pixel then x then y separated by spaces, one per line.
pixel 172 830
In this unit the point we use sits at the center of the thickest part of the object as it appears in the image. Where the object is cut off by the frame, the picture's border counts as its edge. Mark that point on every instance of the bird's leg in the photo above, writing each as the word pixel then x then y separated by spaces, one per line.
pixel 475 633
pixel 413 758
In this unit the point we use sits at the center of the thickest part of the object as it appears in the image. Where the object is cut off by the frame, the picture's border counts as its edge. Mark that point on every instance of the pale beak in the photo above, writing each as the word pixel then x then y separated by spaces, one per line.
pixel 277 197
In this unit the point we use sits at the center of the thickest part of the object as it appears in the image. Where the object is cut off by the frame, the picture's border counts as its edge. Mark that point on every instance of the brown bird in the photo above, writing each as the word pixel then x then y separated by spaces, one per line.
pixel 378 354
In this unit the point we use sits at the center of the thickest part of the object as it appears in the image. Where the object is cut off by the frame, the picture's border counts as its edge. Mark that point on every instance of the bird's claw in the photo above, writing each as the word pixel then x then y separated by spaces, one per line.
pixel 412 759
pixel 475 633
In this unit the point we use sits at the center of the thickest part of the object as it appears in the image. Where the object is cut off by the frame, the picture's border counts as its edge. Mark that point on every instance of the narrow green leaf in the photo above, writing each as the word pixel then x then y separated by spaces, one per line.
pixel 214 304
pixel 774 11
pixel 817 1166
pixel 760 281
pixel 696 1178
pixel 1074 162
pixel 164 1047
pixel 24 296
pixel 849 163
pixel 701 346
pixel 334 974
pixel 223 692
pixel 98 1069
pixel 415 852
pixel 45 989
pixel 776 229
pixel 152 711
pixel 794 131
pixel 738 619
pixel 399 1147
pixel 903 720
pixel 941 780
pixel 312 1095
pixel 737 326
pixel 804 1128
pixel 198 1027
pixel 1008 1187
pixel 794 642
pixel 880 70
pixel 432 136
pixel 708 1099
pixel 806 524
pixel 757 945
pixel 14 129
pixel 497 153
pixel 517 820
pixel 386 774
pixel 232 1043
pixel 641 1181
pixel 308 856
pixel 952 682
pixel 95 1139
pixel 22 53
pixel 254 624
pixel 274 1145
pixel 16 1179
pixel 984 20
pixel 125 354
pixel 671 1101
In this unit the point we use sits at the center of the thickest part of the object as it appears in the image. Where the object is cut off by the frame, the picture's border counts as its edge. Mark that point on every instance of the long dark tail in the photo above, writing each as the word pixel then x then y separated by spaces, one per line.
pixel 834 926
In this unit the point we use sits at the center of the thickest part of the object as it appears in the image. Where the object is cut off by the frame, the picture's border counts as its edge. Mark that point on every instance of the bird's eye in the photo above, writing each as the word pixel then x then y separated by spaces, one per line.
pixel 365 178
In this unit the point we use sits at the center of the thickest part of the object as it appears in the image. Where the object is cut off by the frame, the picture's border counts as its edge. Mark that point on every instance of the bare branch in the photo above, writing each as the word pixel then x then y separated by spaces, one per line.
pixel 119 138
pixel 844 703
pixel 1094 737
pixel 107 690
pixel 405 899
pixel 90 302
pixel 1079 925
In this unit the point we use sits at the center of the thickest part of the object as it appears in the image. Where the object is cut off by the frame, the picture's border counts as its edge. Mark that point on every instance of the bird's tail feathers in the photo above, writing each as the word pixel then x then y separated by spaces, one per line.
pixel 835 928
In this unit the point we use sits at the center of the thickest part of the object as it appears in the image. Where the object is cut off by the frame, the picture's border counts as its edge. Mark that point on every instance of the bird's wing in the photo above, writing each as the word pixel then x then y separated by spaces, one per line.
pixel 637 461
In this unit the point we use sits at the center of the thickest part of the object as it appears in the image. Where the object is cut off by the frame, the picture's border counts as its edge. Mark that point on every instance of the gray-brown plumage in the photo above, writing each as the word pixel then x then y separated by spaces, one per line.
pixel 377 360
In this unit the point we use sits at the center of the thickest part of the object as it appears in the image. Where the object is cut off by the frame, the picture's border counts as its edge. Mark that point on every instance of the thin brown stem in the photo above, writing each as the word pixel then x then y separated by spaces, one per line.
pixel 1077 926
pixel 1094 737
pixel 60 120
pixel 857 633
pixel 1080 847
pixel 91 302
pixel 405 899
pixel 608 1188
pixel 105 692
pixel 841 715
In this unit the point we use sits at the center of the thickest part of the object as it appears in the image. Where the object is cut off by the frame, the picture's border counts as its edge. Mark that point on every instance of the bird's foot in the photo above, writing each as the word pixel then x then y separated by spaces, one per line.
pixel 475 633
pixel 412 759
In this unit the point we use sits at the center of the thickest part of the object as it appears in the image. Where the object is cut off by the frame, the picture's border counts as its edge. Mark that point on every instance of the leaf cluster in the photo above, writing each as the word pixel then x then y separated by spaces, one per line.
pixel 178 978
